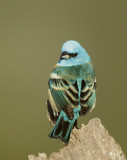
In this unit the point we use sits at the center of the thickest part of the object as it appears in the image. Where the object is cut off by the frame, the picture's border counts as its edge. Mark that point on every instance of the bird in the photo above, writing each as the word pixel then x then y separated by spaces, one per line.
pixel 71 90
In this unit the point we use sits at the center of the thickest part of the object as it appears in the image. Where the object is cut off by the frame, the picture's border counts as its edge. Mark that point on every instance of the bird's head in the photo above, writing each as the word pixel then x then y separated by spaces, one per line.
pixel 73 54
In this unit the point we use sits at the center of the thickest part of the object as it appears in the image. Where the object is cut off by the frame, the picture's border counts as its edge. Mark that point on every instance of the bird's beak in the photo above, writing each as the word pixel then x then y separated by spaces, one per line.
pixel 65 56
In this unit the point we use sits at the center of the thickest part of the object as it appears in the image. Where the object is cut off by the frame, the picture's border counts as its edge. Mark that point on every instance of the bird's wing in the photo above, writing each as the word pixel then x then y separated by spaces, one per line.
pixel 64 93
pixel 87 97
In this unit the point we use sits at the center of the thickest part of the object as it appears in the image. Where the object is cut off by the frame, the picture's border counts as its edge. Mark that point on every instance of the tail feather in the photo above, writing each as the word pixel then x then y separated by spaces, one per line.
pixel 65 129
pixel 62 128
pixel 66 132
pixel 58 128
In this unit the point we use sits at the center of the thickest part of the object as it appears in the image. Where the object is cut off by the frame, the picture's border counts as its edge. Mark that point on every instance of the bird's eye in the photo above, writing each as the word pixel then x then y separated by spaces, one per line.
pixel 73 55
pixel 66 55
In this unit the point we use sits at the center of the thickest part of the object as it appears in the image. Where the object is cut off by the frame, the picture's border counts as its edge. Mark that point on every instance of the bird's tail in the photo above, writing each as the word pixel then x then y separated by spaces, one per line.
pixel 63 128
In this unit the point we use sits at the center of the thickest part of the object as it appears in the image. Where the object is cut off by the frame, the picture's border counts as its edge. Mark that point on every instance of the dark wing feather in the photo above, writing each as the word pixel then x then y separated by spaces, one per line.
pixel 65 95
pixel 87 97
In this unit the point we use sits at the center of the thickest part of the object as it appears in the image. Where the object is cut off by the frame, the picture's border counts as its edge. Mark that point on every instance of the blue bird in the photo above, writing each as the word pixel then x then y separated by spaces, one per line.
pixel 72 90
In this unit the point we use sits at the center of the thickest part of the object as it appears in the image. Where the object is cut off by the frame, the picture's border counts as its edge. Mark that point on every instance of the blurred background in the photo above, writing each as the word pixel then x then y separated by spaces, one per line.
pixel 31 36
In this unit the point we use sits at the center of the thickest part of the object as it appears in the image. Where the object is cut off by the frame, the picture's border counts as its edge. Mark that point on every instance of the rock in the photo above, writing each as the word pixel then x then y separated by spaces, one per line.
pixel 91 142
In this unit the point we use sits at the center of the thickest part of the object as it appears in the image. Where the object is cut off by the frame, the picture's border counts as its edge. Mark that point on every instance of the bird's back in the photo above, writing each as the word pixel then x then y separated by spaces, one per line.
pixel 72 85
pixel 85 71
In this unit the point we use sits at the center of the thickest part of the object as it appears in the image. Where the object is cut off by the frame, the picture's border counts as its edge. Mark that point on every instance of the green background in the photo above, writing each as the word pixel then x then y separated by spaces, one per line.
pixel 31 36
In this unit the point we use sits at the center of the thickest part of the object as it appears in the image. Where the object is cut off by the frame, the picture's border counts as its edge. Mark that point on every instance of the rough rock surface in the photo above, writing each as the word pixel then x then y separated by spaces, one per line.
pixel 91 142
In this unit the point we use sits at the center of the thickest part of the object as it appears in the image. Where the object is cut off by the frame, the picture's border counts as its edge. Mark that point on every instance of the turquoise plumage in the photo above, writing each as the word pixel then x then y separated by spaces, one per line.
pixel 72 90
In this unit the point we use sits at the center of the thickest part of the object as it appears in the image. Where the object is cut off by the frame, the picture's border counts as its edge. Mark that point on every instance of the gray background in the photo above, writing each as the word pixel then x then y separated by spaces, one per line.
pixel 31 35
